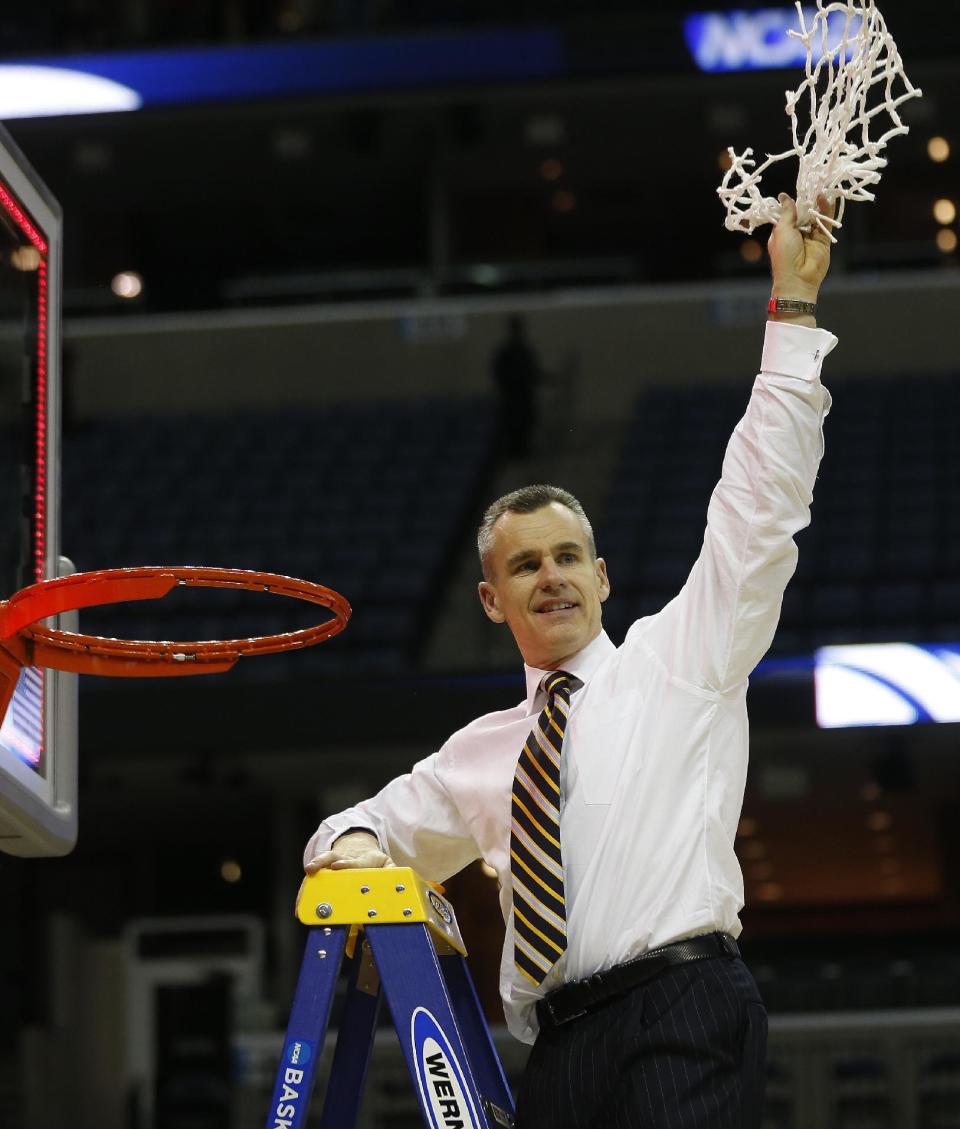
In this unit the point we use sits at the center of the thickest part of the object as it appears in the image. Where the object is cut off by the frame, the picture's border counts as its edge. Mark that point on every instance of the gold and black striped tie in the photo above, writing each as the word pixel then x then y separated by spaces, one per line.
pixel 540 919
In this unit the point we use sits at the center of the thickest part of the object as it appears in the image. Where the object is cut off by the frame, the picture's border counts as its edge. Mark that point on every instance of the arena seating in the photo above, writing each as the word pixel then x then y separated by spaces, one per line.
pixel 373 500
pixel 882 556
pixel 369 500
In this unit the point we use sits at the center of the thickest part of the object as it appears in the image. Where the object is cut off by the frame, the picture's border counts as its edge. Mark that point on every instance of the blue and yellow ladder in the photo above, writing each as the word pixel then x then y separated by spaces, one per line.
pixel 410 944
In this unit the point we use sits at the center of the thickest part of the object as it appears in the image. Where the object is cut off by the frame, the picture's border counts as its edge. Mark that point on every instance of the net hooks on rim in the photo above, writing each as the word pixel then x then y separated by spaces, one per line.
pixel 26 643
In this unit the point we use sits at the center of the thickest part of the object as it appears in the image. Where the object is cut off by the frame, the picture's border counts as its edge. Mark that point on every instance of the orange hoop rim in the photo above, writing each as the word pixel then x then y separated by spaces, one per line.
pixel 31 644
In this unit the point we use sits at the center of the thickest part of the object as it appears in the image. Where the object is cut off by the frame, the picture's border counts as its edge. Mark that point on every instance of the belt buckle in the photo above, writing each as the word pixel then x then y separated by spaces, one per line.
pixel 556 1019
pixel 569 1016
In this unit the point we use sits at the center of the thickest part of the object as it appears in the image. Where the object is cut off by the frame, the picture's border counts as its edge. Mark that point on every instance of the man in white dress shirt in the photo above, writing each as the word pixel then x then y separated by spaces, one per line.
pixel 647 1017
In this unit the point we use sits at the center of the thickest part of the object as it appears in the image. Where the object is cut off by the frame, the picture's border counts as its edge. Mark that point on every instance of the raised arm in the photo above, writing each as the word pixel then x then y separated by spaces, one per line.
pixel 413 821
pixel 722 622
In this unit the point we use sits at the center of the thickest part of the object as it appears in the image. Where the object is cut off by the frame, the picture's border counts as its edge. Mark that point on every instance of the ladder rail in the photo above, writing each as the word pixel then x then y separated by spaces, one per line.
pixel 306 1028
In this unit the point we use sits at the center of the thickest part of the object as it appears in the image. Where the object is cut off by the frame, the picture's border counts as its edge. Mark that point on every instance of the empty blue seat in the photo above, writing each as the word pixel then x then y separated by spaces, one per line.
pixel 895 601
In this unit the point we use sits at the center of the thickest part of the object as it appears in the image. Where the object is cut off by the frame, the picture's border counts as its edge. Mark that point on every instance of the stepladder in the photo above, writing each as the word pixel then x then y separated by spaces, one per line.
pixel 400 937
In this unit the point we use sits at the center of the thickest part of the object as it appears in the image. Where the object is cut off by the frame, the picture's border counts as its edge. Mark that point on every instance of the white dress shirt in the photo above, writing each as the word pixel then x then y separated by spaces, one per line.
pixel 655 754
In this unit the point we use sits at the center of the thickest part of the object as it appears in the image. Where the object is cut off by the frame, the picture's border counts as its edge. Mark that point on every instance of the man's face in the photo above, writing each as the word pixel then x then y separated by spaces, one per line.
pixel 544 584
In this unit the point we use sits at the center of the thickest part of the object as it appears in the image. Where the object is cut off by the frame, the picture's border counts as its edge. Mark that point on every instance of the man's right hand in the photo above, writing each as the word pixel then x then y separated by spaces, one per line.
pixel 357 850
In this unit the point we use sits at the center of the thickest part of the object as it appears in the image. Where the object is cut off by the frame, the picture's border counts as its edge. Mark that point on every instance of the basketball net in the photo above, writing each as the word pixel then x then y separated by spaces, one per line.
pixel 853 94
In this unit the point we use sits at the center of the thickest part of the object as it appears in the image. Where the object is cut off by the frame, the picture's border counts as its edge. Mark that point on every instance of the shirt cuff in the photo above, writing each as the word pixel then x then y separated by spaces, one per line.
pixel 795 350
pixel 329 831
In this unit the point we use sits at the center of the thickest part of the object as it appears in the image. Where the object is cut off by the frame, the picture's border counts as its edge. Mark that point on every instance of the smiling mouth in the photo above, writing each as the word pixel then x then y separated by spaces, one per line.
pixel 553 608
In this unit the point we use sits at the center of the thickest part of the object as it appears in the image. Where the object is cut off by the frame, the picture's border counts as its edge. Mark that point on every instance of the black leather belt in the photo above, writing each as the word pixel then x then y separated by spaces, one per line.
pixel 577 998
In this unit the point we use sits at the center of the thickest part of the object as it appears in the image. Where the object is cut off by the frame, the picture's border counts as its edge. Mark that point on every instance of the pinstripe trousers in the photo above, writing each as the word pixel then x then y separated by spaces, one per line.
pixel 686 1050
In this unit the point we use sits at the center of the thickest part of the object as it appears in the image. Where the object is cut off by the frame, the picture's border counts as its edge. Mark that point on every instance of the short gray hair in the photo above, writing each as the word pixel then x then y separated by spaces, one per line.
pixel 527 500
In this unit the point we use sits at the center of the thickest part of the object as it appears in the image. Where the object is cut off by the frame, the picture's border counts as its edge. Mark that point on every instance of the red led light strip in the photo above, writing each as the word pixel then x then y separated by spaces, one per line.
pixel 40 480
pixel 13 209
pixel 17 213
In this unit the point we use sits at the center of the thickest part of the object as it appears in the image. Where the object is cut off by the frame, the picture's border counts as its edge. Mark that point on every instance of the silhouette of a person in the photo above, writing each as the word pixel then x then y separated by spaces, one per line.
pixel 516 374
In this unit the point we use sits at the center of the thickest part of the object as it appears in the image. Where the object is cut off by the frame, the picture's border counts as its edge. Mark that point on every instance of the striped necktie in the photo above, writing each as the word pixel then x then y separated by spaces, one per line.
pixel 540 919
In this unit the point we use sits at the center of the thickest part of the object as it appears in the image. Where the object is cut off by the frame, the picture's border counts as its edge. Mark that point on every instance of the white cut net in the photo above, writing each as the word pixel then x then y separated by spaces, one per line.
pixel 857 85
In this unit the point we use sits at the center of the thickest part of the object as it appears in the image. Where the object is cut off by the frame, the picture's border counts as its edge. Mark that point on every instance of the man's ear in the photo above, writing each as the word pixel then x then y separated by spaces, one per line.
pixel 603 578
pixel 488 597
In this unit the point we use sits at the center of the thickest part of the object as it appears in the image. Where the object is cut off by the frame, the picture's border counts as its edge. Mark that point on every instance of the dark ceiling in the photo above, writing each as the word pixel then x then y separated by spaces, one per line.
pixel 607 178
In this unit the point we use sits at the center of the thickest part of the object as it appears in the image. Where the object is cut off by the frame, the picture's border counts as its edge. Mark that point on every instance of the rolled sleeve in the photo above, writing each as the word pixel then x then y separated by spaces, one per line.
pixel 333 827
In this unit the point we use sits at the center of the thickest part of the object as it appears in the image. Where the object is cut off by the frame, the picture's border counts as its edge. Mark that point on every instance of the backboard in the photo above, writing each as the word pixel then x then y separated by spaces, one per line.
pixel 38 738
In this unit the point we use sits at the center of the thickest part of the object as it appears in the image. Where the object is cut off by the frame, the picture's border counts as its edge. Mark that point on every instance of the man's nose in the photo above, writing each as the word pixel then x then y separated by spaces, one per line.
pixel 550 575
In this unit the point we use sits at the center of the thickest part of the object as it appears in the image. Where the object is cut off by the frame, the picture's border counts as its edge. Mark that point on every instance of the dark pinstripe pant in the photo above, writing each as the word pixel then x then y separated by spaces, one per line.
pixel 686 1050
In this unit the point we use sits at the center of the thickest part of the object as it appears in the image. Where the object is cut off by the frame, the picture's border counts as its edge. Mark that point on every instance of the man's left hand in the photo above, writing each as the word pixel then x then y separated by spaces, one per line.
pixel 799 260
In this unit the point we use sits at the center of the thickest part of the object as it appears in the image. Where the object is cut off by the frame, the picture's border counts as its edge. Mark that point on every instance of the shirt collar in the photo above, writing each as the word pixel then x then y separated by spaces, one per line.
pixel 581 665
